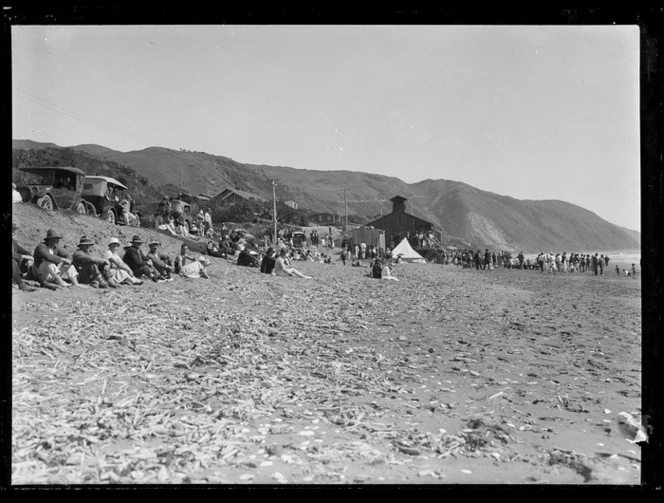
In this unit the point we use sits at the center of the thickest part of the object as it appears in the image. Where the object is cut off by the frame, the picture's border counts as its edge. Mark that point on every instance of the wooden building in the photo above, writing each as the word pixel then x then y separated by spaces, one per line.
pixel 373 237
pixel 234 195
pixel 399 223
pixel 325 219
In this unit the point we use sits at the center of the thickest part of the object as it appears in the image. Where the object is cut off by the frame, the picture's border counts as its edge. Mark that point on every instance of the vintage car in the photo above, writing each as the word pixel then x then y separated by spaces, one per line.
pixel 103 195
pixel 53 187
pixel 182 209
pixel 299 239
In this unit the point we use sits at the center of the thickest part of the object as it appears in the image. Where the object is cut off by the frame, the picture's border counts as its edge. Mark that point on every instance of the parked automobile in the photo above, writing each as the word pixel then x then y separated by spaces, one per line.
pixel 299 239
pixel 53 188
pixel 103 194
pixel 182 209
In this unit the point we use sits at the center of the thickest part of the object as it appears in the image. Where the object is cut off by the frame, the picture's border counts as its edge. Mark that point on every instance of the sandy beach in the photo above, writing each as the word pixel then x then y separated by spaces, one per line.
pixel 449 375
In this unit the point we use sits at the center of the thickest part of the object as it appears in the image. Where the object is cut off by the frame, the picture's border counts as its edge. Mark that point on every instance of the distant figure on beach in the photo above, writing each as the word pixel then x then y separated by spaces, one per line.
pixel 617 270
pixel 246 258
pixel 267 264
pixel 189 266
pixel 344 256
pixel 283 268
pixel 633 271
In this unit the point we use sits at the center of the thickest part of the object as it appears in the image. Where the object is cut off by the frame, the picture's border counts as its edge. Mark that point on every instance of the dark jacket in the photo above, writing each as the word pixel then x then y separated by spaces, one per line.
pixel 134 258
pixel 246 259
pixel 18 251
pixel 81 259
pixel 267 265
pixel 43 254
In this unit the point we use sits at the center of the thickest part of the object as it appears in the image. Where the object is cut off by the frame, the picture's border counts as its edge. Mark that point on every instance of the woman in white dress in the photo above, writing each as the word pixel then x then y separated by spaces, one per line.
pixel 119 271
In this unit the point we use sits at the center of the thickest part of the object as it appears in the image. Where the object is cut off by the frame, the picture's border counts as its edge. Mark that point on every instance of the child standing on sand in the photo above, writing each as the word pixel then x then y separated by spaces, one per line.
pixel 633 271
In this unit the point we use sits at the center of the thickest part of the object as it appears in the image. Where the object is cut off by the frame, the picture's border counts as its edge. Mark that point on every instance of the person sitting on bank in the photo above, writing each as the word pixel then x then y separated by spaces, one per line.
pixel 189 266
pixel 118 271
pixel 267 264
pixel 213 250
pixel 22 261
pixel 91 270
pixel 53 265
pixel 164 222
pixel 160 261
pixel 283 268
pixel 386 273
pixel 140 265
pixel 246 258
pixel 181 228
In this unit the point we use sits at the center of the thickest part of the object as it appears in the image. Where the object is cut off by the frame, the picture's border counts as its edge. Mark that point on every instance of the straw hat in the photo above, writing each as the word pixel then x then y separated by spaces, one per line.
pixel 136 240
pixel 154 243
pixel 113 241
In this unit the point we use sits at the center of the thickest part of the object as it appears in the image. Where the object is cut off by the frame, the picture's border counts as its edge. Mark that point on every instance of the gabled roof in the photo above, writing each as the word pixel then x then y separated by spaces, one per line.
pixel 243 194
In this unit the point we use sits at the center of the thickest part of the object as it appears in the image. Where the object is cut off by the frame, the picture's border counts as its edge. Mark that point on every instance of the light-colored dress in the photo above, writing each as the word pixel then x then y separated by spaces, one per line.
pixel 119 270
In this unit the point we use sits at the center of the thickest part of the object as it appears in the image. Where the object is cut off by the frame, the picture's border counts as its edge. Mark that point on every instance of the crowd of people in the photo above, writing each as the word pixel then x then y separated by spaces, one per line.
pixel 52 267
pixel 551 263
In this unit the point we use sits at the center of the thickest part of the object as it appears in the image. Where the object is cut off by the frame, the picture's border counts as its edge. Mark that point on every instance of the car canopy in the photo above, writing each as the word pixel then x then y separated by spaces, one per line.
pixel 92 182
pixel 38 169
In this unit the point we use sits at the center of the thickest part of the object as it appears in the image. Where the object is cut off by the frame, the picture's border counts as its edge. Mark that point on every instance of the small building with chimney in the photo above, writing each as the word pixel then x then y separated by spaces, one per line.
pixel 398 224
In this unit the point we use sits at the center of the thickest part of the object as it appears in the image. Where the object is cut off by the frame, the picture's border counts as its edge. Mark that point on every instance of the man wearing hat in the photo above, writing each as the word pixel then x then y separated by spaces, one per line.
pixel 21 262
pixel 91 271
pixel 120 272
pixel 52 263
pixel 160 261
pixel 140 265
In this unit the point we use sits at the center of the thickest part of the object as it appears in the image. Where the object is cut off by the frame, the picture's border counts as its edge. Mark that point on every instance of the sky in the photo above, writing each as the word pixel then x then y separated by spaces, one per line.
pixel 532 112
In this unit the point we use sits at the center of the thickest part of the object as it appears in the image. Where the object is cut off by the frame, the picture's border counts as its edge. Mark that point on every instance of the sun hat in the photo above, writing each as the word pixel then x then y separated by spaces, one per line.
pixel 136 239
pixel 154 243
pixel 112 241
pixel 85 241
pixel 52 234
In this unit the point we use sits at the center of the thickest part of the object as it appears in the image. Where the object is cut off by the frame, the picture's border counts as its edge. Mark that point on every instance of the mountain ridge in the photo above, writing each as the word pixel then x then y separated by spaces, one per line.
pixel 464 213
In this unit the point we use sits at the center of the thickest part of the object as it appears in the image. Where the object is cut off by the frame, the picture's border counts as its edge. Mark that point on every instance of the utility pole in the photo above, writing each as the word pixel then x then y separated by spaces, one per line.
pixel 346 212
pixel 274 212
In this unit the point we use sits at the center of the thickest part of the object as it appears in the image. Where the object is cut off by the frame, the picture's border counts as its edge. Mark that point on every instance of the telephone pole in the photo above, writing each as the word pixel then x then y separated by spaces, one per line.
pixel 274 212
pixel 346 212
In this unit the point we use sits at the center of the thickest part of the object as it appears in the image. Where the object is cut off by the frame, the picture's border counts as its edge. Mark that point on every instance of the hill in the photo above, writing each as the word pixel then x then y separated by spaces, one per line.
pixel 466 214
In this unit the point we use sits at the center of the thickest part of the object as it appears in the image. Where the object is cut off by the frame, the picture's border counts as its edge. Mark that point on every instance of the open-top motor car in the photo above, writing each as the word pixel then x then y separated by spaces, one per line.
pixel 103 194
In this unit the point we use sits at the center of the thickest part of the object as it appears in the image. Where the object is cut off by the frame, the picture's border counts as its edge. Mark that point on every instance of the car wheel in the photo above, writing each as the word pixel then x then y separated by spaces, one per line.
pixel 81 209
pixel 110 217
pixel 45 202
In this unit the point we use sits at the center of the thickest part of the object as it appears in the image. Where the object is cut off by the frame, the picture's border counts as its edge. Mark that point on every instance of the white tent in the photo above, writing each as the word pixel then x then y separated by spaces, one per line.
pixel 407 253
